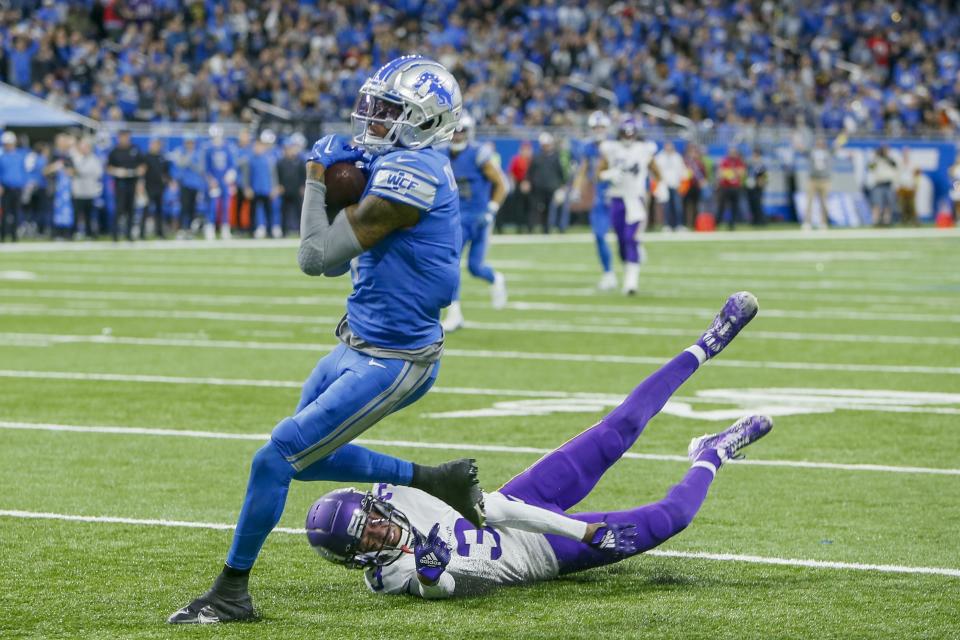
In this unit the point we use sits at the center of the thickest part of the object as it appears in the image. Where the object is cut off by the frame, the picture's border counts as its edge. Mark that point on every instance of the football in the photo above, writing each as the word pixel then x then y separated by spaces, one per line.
pixel 345 184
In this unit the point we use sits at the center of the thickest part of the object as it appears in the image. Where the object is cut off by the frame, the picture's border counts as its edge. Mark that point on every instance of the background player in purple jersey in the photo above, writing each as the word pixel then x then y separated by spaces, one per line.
pixel 408 542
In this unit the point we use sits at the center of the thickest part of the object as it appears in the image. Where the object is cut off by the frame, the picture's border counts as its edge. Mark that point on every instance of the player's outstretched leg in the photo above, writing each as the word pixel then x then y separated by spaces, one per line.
pixel 655 523
pixel 730 441
pixel 565 476
pixel 740 309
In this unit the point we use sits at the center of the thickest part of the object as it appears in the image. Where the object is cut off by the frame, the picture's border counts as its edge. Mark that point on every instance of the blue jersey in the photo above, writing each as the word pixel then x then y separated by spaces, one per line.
pixel 189 168
pixel 242 157
pixel 262 170
pixel 403 281
pixel 474 187
pixel 220 162
pixel 13 168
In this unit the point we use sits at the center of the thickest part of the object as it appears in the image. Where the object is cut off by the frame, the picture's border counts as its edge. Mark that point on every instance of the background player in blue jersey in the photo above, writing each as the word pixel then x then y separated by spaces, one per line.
pixel 483 188
pixel 262 184
pixel 221 168
pixel 599 125
pixel 403 242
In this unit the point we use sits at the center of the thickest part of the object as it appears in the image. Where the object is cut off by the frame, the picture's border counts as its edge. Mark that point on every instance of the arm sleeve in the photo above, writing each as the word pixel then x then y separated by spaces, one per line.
pixel 325 247
pixel 510 514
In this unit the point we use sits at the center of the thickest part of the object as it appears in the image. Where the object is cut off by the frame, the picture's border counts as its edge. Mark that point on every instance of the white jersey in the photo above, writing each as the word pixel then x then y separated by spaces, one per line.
pixel 479 559
pixel 630 162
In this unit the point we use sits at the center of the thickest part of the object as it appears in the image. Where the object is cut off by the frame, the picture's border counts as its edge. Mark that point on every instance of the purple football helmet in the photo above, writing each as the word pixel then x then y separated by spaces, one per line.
pixel 336 522
pixel 629 129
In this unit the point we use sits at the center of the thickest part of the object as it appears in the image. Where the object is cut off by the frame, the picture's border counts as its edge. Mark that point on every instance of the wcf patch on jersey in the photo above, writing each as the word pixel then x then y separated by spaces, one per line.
pixel 406 186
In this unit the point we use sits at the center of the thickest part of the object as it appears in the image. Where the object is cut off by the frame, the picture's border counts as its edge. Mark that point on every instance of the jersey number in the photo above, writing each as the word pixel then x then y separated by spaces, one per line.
pixel 451 180
pixel 477 543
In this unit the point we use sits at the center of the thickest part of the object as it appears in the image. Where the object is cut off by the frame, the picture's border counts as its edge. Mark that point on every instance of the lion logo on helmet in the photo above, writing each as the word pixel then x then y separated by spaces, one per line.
pixel 428 83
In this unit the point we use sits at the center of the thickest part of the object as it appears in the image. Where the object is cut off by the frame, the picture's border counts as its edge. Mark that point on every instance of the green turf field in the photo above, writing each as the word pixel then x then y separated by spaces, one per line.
pixel 856 351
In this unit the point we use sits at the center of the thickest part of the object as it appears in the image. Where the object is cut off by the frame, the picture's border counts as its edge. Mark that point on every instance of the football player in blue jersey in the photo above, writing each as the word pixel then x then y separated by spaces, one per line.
pixel 599 124
pixel 402 241
pixel 483 188
pixel 221 167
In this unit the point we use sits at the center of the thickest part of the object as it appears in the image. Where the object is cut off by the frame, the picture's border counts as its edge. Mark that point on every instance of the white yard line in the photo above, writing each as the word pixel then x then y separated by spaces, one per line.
pixel 635 311
pixel 273 271
pixel 693 285
pixel 447 446
pixel 544 326
pixel 663 553
pixel 42 340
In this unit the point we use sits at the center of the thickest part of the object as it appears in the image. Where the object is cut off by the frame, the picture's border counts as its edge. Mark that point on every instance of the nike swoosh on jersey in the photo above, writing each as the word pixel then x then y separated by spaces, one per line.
pixel 374 363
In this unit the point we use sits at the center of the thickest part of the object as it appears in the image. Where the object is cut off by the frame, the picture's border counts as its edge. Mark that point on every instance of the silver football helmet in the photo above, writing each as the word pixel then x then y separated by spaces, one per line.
pixel 464 133
pixel 411 102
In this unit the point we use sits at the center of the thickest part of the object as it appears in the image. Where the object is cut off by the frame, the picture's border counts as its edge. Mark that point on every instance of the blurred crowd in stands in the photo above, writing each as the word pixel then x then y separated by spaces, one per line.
pixel 855 65
pixel 84 187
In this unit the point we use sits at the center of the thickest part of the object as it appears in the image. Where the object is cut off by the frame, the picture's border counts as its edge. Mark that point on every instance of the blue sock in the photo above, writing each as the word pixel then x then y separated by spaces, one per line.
pixel 604 252
pixel 270 476
pixel 353 463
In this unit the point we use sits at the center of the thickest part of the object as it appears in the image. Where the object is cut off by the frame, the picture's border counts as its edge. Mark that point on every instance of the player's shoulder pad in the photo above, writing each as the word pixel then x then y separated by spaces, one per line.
pixel 406 176
pixel 485 152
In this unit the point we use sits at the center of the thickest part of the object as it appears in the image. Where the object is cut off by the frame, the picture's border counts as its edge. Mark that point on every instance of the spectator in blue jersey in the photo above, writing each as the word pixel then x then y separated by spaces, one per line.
pixel 221 174
pixel 402 240
pixel 189 173
pixel 262 186
pixel 36 197
pixel 13 178
pixel 482 188
pixel 21 50
pixel 587 178
pixel 60 172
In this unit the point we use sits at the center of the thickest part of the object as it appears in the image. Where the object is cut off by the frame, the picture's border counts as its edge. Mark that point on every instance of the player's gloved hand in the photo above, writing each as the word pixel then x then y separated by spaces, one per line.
pixel 617 539
pixel 334 148
pixel 431 554
pixel 491 214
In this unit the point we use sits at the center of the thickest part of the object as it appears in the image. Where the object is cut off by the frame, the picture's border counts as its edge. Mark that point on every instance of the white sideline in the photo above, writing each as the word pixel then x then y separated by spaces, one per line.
pixel 533 326
pixel 690 555
pixel 518 239
pixel 410 444
pixel 822 289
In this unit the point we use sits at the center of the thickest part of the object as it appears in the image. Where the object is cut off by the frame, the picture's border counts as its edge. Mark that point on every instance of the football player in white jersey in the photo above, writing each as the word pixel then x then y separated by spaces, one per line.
pixel 408 542
pixel 626 164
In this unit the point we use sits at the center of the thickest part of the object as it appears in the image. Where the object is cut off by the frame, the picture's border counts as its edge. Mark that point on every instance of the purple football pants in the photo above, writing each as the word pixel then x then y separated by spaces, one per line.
pixel 561 479
pixel 626 233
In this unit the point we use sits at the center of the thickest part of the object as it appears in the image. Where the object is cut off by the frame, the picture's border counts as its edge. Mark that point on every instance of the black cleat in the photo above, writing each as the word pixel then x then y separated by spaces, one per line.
pixel 211 608
pixel 228 600
pixel 456 484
